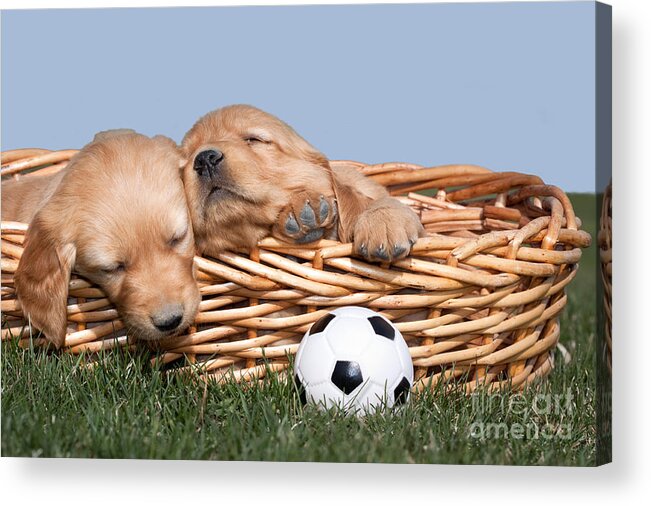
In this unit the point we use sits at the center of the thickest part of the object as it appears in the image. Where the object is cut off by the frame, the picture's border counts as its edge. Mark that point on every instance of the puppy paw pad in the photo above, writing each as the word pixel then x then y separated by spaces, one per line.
pixel 398 250
pixel 291 225
pixel 307 216
pixel 313 235
pixel 381 253
pixel 324 209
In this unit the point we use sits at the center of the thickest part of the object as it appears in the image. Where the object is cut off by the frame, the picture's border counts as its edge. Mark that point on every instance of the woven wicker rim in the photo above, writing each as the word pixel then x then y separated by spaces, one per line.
pixel 605 240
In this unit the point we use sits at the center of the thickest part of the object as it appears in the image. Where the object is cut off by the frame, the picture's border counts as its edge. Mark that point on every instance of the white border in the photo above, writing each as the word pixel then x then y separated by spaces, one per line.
pixel 74 481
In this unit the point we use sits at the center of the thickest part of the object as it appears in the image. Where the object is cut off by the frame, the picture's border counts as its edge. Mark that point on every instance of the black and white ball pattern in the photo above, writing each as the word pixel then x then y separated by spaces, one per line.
pixel 353 358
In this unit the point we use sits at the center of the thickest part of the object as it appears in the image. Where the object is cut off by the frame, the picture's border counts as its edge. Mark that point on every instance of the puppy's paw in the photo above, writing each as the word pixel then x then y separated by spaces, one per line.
pixel 386 231
pixel 306 218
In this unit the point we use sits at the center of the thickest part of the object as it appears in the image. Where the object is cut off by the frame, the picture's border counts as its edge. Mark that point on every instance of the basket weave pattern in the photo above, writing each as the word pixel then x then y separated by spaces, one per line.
pixel 605 239
pixel 478 300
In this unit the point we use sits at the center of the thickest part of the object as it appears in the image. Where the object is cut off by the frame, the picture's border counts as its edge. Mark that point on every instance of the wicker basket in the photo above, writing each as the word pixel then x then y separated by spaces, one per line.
pixel 605 239
pixel 478 300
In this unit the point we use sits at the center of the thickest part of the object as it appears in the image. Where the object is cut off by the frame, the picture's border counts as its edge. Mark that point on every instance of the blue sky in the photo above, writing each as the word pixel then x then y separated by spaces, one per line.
pixel 507 85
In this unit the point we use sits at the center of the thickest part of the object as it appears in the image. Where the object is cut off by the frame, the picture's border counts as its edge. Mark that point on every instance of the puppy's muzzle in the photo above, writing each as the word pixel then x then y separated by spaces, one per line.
pixel 168 317
pixel 207 163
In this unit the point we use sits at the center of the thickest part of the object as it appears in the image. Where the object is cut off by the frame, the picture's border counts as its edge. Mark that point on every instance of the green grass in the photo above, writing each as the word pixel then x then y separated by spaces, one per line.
pixel 53 407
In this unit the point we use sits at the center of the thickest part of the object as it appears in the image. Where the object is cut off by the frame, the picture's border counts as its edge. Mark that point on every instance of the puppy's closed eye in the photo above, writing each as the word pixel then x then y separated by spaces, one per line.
pixel 178 238
pixel 113 269
pixel 252 139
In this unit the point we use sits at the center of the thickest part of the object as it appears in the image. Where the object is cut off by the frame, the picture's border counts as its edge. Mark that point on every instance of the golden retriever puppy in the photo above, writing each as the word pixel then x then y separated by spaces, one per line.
pixel 249 174
pixel 117 215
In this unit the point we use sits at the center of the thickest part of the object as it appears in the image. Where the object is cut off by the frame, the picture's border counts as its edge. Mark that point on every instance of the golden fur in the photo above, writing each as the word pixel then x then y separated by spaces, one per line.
pixel 267 174
pixel 116 215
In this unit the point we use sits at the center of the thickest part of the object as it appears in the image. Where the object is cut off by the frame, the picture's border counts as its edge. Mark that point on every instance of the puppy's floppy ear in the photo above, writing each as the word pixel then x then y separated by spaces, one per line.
pixel 42 279
pixel 317 158
pixel 350 202
pixel 293 144
pixel 116 132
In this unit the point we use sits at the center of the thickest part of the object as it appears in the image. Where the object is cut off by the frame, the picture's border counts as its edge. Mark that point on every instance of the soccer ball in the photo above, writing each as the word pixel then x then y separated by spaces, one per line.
pixel 353 358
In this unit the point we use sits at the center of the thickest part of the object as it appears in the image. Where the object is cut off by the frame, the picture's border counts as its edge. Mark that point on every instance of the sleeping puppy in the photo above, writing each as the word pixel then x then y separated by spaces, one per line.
pixel 249 174
pixel 117 215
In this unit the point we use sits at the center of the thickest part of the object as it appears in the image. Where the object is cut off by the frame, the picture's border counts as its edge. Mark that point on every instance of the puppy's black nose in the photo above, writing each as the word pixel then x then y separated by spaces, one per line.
pixel 168 318
pixel 208 161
